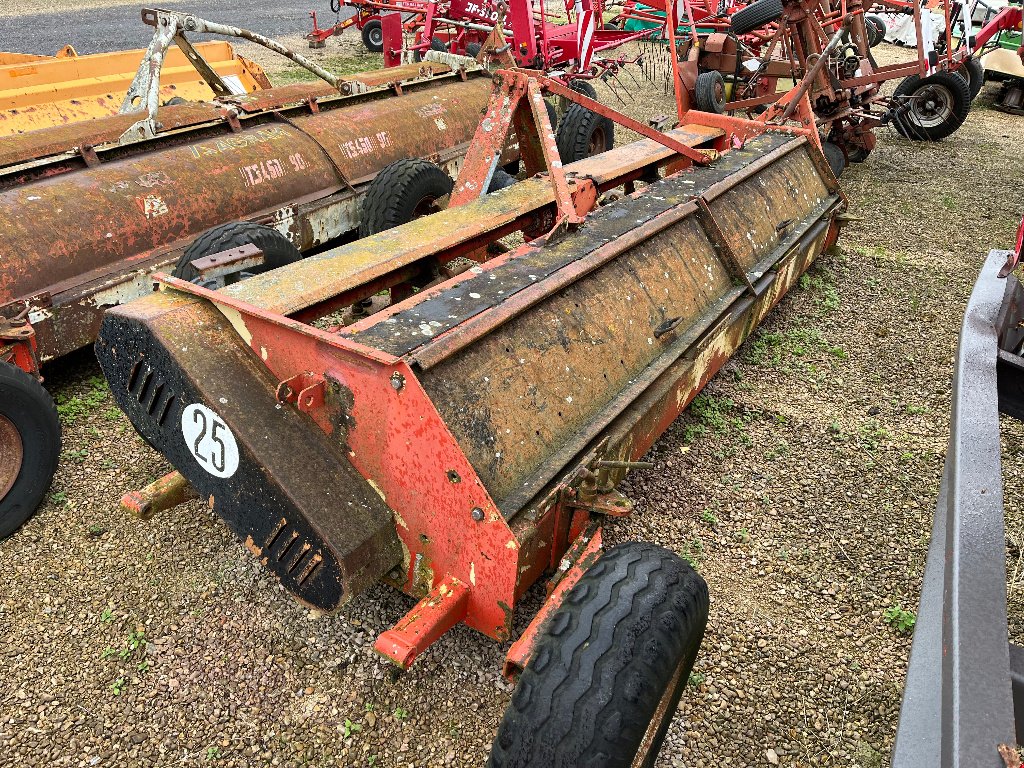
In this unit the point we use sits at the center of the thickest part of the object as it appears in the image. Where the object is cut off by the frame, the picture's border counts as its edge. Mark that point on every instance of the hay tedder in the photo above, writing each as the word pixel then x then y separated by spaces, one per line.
pixel 465 439
pixel 89 210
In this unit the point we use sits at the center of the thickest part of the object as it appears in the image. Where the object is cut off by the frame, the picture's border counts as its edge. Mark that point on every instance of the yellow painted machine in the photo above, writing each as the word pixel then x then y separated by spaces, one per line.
pixel 43 91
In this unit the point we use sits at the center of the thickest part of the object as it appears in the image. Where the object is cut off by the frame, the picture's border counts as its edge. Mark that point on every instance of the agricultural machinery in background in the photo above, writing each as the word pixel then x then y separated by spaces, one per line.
pixel 90 210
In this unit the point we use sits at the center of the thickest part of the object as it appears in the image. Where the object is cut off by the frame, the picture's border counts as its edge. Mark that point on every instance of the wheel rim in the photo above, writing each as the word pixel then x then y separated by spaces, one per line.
pixel 425 207
pixel 12 454
pixel 645 755
pixel 719 93
pixel 597 142
pixel 932 105
pixel 377 36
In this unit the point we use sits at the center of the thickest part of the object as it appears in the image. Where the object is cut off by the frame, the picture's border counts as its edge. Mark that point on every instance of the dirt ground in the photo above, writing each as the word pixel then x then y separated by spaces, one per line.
pixel 801 484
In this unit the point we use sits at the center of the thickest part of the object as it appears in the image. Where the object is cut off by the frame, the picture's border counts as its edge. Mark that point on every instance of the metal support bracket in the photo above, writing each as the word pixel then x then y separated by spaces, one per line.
pixel 444 607
pixel 169 491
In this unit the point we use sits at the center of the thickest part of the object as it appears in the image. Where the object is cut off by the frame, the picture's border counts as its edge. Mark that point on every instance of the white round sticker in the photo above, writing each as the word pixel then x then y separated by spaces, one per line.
pixel 209 440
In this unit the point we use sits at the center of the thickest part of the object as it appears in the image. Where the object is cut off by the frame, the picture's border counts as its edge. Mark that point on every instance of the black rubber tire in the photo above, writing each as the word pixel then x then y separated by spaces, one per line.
pixel 835 157
pixel 400 193
pixel 277 249
pixel 709 92
pixel 612 25
pixel 373 36
pixel 473 50
pixel 436 44
pixel 587 88
pixel 30 409
pixel 500 180
pixel 973 71
pixel 175 101
pixel 621 644
pixel 875 27
pixel 918 124
pixel 582 133
pixel 755 16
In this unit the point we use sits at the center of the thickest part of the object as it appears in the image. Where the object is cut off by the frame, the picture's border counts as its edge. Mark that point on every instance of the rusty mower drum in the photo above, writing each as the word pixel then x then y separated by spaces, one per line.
pixel 464 441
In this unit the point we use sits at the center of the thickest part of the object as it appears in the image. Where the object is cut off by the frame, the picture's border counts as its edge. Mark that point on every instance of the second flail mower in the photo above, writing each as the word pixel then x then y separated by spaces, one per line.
pixel 466 441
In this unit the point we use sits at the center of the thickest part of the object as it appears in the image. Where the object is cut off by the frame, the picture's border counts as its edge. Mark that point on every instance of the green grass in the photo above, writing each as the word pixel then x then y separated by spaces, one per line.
pixel 73 407
pixel 336 65
pixel 900 620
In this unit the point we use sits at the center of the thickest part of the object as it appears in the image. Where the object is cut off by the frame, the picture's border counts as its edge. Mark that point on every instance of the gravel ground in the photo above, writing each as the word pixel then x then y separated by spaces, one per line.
pixel 801 484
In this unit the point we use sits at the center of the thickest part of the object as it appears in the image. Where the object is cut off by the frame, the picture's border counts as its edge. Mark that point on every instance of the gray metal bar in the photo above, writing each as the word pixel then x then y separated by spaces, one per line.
pixel 957 707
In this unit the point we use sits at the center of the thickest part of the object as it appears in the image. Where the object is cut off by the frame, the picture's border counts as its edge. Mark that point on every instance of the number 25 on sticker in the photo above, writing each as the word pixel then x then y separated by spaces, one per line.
pixel 209 440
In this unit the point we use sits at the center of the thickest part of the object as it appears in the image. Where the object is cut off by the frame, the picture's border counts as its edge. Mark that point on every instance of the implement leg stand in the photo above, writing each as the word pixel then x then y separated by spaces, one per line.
pixel 169 491
pixel 434 615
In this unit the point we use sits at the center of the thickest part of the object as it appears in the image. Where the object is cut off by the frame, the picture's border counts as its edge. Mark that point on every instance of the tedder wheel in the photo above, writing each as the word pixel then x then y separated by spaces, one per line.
pixel 875 27
pixel 436 44
pixel 29 446
pixel 938 105
pixel 609 666
pixel 612 25
pixel 586 88
pixel 709 92
pixel 277 251
pixel 835 157
pixel 973 71
pixel 473 50
pixel 403 191
pixel 373 36
pixel 755 16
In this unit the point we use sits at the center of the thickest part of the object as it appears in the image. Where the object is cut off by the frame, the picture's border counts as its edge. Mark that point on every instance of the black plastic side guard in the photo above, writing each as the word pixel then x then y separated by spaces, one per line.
pixel 199 396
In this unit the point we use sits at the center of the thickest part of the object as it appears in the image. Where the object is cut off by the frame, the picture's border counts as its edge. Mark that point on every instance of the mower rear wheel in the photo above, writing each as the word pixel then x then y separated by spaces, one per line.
pixel 405 190
pixel 938 105
pixel 755 16
pixel 609 667
pixel 709 92
pixel 973 71
pixel 29 446
pixel 835 157
pixel 373 36
pixel 277 251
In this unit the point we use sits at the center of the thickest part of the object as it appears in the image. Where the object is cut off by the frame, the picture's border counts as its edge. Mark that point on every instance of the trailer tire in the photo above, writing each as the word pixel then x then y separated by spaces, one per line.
pixel 473 50
pixel 373 36
pixel 973 71
pixel 709 92
pixel 277 249
pixel 404 190
pixel 755 16
pixel 609 666
pixel 582 133
pixel 938 105
pixel 29 446
pixel 586 88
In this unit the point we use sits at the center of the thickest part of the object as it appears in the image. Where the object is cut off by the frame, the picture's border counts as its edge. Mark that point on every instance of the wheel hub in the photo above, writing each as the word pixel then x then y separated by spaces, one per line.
pixel 12 454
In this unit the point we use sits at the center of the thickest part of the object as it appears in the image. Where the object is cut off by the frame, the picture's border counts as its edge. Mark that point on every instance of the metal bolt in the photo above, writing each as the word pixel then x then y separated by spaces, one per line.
pixel 397 381
pixel 478 514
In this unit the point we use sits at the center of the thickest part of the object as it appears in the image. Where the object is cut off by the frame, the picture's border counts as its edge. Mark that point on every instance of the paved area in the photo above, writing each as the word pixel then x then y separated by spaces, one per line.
pixel 111 27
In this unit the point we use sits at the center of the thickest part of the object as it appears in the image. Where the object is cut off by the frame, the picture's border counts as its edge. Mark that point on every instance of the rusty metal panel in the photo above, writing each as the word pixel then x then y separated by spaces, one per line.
pixel 363 138
pixel 646 276
pixel 120 211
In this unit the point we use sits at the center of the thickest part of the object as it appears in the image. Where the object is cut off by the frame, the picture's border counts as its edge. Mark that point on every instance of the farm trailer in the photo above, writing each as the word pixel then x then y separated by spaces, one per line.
pixel 463 442
pixel 88 211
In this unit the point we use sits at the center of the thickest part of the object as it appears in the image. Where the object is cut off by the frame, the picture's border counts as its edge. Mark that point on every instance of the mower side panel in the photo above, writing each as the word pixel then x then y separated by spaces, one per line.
pixel 177 368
